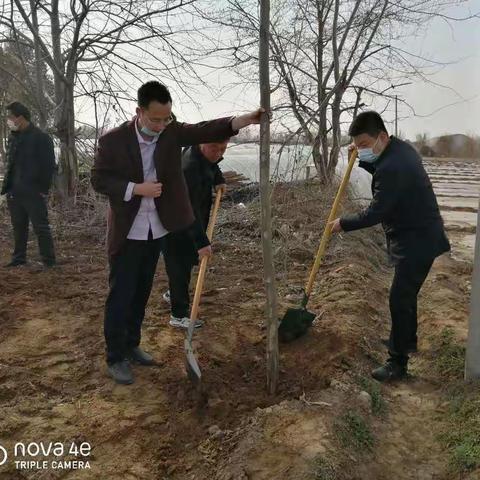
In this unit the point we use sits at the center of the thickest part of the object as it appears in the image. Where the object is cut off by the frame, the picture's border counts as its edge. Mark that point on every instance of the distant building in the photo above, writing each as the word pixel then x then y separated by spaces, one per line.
pixel 449 146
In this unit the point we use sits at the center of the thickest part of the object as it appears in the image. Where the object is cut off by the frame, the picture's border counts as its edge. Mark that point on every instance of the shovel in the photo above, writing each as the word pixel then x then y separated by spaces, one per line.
pixel 297 321
pixel 191 363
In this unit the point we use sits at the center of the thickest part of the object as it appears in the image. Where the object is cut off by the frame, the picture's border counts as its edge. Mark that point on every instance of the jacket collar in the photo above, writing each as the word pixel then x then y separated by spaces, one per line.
pixel 19 133
pixel 134 147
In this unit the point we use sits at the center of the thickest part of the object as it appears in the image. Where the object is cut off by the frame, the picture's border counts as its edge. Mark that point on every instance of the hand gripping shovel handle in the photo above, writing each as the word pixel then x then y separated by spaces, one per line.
pixel 327 232
pixel 203 266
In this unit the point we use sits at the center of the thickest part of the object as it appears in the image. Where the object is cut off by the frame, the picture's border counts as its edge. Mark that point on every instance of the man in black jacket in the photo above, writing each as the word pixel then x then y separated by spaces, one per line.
pixel 404 202
pixel 30 169
pixel 183 249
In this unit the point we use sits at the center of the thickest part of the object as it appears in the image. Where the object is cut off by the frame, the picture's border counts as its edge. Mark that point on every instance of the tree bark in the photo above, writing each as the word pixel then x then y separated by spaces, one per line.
pixel 65 130
pixel 65 113
pixel 266 220
pixel 39 65
pixel 336 135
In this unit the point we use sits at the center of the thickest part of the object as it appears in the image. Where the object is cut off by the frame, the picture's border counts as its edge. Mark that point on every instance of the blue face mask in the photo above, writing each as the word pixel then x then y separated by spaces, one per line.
pixel 366 154
pixel 150 133
pixel 147 131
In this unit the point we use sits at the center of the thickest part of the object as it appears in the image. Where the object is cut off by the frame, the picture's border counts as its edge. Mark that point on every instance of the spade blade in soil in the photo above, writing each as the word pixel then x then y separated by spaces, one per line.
pixel 294 324
pixel 191 364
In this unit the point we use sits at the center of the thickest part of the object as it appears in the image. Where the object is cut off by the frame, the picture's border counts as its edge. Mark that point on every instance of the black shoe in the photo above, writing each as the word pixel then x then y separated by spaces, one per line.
pixel 411 348
pixel 390 371
pixel 44 267
pixel 137 355
pixel 121 372
pixel 15 263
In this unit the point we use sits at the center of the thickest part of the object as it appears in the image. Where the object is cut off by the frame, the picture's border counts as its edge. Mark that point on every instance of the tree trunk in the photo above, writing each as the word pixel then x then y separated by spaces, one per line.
pixel 39 65
pixel 65 113
pixel 336 136
pixel 318 159
pixel 266 227
pixel 65 130
pixel 3 138
pixel 320 146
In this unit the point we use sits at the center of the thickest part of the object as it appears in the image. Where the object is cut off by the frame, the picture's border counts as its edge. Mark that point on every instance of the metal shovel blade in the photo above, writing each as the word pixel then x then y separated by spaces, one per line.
pixel 191 363
pixel 295 324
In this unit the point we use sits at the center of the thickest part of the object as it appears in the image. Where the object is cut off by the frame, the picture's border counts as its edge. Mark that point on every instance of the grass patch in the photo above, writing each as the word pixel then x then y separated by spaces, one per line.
pixel 323 470
pixel 466 455
pixel 379 406
pixel 353 432
pixel 449 359
pixel 461 435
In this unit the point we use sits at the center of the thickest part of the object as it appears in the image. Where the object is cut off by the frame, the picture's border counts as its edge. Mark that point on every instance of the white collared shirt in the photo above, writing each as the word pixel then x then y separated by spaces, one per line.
pixel 147 217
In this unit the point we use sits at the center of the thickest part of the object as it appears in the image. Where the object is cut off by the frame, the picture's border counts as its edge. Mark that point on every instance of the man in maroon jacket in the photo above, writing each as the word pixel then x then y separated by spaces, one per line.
pixel 138 166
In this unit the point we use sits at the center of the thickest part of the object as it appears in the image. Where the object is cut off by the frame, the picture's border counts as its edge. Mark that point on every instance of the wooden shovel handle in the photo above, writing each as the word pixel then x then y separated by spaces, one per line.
pixel 204 261
pixel 213 217
pixel 327 232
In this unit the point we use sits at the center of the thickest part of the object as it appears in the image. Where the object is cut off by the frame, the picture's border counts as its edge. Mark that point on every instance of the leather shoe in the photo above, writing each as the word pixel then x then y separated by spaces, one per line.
pixel 15 263
pixel 389 372
pixel 121 372
pixel 139 356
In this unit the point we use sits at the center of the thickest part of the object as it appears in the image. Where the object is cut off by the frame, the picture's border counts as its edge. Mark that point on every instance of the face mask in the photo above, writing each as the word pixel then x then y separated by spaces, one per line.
pixel 11 125
pixel 147 131
pixel 366 154
pixel 150 133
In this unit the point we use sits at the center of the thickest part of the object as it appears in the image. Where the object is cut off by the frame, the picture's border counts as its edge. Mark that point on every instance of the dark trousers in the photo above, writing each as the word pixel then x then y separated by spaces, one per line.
pixel 410 274
pixel 32 207
pixel 131 279
pixel 179 270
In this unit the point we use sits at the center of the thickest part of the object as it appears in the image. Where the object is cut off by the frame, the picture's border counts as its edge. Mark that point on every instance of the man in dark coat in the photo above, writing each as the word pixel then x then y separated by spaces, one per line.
pixel 138 166
pixel 30 169
pixel 404 202
pixel 202 174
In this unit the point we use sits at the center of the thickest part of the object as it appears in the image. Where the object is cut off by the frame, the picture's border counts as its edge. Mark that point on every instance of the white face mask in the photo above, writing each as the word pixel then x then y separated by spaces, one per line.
pixel 12 125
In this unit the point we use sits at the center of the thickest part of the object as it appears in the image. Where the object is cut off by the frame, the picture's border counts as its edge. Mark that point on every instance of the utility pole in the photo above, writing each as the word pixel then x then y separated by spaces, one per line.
pixel 396 115
pixel 472 362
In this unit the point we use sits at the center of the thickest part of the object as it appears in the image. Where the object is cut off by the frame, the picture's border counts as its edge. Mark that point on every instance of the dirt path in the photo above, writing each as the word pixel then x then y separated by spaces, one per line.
pixel 53 385
pixel 409 445
pixel 53 382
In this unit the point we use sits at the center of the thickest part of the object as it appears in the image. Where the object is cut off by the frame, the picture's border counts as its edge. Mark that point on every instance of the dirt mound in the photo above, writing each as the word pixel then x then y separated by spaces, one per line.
pixel 327 420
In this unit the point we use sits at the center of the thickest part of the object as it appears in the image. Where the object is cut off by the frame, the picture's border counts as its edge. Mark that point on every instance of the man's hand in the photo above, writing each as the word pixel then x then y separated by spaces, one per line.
pixel 336 226
pixel 148 189
pixel 205 252
pixel 221 188
pixel 251 118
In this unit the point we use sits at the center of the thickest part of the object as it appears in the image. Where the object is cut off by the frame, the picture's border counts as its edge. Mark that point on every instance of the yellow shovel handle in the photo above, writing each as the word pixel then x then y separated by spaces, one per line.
pixel 213 217
pixel 328 227
pixel 204 261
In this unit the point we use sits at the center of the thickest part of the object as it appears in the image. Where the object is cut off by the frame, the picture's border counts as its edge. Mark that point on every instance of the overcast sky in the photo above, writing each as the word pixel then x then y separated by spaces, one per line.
pixel 457 41
pixel 453 107
pixel 450 106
